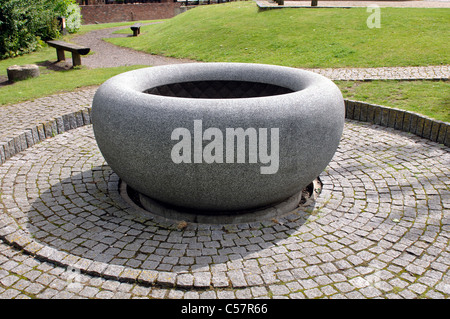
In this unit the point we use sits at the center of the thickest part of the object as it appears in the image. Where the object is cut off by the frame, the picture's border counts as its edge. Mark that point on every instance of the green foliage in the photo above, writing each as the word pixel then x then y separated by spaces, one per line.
pixel 73 18
pixel 71 11
pixel 23 23
pixel 60 6
pixel 20 21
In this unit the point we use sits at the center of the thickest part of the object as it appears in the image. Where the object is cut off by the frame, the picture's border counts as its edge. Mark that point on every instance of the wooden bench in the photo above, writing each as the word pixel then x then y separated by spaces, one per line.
pixel 136 28
pixel 76 50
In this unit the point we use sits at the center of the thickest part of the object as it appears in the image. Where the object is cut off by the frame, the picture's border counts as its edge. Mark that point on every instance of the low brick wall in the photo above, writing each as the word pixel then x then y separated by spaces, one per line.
pixel 128 12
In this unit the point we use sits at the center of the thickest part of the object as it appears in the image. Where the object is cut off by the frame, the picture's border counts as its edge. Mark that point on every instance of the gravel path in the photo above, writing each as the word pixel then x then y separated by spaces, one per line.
pixel 109 55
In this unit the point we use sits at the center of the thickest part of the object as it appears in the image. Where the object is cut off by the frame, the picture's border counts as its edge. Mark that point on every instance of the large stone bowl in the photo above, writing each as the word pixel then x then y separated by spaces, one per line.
pixel 142 120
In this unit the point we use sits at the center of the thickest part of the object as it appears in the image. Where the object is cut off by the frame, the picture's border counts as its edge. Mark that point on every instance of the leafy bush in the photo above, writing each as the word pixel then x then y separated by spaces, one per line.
pixel 23 23
pixel 20 23
pixel 71 11
pixel 73 18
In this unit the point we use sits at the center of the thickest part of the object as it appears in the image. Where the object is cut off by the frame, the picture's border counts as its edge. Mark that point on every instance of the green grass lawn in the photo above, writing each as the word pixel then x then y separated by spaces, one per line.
pixel 334 37
pixel 91 27
pixel 430 98
pixel 55 82
pixel 128 30
pixel 41 55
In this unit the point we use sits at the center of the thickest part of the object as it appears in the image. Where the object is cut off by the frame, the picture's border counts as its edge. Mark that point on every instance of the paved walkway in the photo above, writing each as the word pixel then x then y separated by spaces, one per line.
pixel 440 72
pixel 379 229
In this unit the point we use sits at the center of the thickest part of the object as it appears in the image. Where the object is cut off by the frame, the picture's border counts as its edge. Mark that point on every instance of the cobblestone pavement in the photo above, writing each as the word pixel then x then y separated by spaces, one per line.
pixel 380 228
pixel 16 118
pixel 440 72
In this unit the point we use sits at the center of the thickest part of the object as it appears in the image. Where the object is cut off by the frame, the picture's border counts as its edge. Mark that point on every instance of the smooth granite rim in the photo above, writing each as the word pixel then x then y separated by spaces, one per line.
pixel 141 80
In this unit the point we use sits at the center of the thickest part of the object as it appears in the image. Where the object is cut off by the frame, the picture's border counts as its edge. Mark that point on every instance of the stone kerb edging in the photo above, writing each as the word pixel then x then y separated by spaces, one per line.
pixel 18 239
pixel 389 117
pixel 42 131
pixel 417 124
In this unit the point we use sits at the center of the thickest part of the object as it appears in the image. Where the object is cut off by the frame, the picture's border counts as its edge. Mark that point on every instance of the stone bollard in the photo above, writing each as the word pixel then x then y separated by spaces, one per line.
pixel 22 72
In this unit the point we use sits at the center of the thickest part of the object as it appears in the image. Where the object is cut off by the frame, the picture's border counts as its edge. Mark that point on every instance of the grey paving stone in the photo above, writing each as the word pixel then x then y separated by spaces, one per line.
pixel 219 280
pixel 237 278
pixel 202 279
pixel 185 280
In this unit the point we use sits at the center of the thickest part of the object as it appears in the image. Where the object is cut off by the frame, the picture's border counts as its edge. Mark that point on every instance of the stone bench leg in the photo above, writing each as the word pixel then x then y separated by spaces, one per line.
pixel 60 55
pixel 76 59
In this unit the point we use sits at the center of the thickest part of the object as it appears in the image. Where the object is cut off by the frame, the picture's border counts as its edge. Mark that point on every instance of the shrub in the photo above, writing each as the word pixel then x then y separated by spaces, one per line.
pixel 71 11
pixel 23 23
pixel 73 18
pixel 19 24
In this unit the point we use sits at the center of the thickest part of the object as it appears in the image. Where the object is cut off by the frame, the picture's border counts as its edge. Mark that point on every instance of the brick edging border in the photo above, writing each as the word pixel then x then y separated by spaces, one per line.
pixel 406 121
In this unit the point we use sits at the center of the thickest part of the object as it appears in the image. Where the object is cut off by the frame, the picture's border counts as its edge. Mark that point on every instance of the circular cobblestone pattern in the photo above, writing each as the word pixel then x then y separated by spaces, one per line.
pixel 379 228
